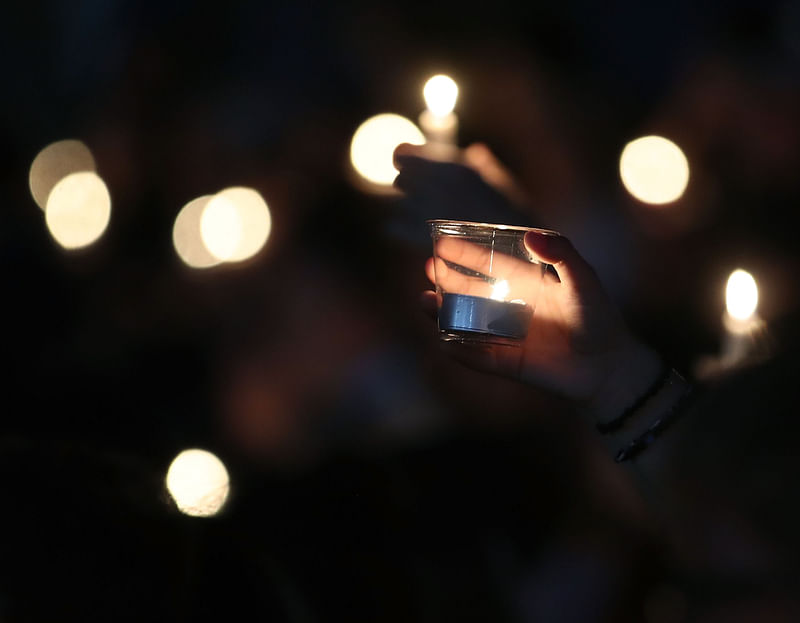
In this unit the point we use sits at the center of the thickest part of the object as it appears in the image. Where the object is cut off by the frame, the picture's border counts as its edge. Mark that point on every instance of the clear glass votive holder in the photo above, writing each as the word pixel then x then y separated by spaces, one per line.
pixel 487 282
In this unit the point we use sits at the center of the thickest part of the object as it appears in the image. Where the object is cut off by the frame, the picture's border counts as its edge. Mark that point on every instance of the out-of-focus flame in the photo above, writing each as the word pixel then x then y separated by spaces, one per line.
pixel 374 142
pixel 440 93
pixel 198 482
pixel 54 163
pixel 78 210
pixel 186 236
pixel 654 170
pixel 741 295
pixel 221 227
pixel 230 226
pixel 255 219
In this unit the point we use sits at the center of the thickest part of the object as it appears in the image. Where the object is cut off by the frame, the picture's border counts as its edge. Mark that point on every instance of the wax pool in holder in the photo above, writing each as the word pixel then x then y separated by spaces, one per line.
pixel 487 282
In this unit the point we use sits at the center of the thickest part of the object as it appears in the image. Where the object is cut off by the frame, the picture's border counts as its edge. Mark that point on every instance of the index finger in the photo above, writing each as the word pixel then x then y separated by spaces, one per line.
pixel 480 258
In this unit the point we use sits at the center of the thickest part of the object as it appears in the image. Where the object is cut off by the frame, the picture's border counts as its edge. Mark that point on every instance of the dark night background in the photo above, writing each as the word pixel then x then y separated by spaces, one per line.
pixel 373 479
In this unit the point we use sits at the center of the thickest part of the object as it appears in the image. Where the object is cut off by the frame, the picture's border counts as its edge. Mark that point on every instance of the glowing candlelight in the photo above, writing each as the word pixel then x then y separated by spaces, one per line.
pixel 741 295
pixel 78 210
pixel 654 170
pixel 198 482
pixel 500 291
pixel 438 121
pixel 55 162
pixel 474 295
pixel 187 237
pixel 221 227
pixel 741 321
pixel 372 148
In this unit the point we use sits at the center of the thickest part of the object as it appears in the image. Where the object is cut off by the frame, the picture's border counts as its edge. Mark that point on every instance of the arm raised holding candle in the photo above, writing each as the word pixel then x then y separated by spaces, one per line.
pixel 578 344
pixel 731 465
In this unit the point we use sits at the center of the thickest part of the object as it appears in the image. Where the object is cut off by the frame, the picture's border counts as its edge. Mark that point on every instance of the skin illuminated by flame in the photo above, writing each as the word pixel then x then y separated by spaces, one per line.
pixel 373 145
pixel 654 170
pixel 741 295
pixel 78 210
pixel 440 93
pixel 198 482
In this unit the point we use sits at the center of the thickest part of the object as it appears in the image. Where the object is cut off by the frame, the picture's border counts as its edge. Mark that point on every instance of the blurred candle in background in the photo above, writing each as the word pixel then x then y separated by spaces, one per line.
pixel 372 150
pixel 743 326
pixel 654 170
pixel 438 121
pixel 745 339
pixel 64 183
pixel 198 482
pixel 78 210
pixel 55 162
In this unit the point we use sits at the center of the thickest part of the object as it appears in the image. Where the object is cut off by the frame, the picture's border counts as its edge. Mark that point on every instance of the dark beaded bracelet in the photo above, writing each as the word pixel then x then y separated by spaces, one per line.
pixel 617 422
pixel 643 441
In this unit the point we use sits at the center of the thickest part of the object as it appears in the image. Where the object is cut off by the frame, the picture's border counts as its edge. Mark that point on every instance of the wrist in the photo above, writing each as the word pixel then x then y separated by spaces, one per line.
pixel 632 372
pixel 654 417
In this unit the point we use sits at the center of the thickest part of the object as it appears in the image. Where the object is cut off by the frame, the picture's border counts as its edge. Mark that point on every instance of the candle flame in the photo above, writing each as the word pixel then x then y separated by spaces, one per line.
pixel 198 482
pixel 54 163
pixel 374 142
pixel 741 294
pixel 78 210
pixel 440 93
pixel 500 290
pixel 654 170
pixel 221 227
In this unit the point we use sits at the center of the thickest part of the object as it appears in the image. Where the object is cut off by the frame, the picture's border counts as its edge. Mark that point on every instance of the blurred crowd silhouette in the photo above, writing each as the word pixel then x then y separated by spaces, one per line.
pixel 373 478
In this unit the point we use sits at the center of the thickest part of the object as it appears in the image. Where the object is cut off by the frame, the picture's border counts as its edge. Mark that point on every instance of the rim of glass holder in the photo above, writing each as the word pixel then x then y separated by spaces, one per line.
pixel 479 225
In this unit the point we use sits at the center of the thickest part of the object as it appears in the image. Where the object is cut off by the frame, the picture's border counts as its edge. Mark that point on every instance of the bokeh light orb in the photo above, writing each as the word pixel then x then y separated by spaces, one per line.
pixel 654 170
pixel 374 142
pixel 741 295
pixel 254 216
pixel 440 93
pixel 54 163
pixel 221 227
pixel 78 210
pixel 198 482
pixel 187 238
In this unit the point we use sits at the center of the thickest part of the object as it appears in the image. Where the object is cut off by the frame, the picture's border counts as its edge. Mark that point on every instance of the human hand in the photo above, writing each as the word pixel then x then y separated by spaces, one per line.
pixel 469 183
pixel 578 344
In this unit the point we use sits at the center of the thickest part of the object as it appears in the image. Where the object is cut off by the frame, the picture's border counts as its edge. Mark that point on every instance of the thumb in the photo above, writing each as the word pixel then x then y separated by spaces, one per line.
pixel 404 150
pixel 553 248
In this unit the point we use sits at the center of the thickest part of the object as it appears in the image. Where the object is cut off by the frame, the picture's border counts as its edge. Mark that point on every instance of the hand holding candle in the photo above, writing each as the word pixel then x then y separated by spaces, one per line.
pixel 567 336
pixel 577 343
pixel 473 265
